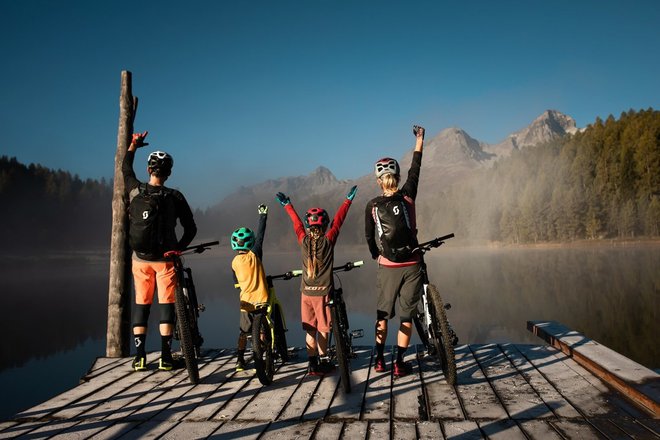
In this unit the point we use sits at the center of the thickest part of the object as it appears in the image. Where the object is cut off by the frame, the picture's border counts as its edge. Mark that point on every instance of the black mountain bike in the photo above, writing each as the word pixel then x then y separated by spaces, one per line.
pixel 342 350
pixel 186 329
pixel 431 319
pixel 269 332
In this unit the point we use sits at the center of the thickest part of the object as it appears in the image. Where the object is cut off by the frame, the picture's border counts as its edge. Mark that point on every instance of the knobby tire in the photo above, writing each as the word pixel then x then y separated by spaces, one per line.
pixel 184 320
pixel 442 337
pixel 341 350
pixel 262 345
pixel 280 334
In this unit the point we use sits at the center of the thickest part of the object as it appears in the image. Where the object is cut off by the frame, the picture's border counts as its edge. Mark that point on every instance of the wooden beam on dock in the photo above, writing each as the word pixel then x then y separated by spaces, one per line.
pixel 635 381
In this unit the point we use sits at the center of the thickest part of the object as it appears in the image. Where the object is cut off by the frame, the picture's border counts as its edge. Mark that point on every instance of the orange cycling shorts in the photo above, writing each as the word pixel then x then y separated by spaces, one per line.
pixel 148 275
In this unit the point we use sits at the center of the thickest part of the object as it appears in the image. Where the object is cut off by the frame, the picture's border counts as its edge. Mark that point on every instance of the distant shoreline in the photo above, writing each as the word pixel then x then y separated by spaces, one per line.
pixel 103 254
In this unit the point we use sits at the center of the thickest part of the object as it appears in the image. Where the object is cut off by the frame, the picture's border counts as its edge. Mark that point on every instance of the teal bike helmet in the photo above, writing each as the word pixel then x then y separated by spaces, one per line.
pixel 242 239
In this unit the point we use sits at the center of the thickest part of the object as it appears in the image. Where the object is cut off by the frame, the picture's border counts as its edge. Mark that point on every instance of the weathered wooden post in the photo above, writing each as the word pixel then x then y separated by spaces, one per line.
pixel 119 294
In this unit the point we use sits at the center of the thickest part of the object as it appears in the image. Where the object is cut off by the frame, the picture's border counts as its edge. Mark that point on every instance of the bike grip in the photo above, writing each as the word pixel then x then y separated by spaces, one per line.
pixel 358 263
pixel 297 272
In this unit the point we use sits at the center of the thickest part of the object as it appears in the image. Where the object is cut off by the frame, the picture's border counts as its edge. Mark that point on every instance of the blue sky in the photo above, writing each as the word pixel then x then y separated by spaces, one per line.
pixel 239 92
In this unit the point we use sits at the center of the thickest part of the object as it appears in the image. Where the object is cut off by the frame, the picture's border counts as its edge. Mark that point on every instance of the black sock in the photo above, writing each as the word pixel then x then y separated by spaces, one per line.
pixel 380 349
pixel 400 351
pixel 166 346
pixel 241 355
pixel 313 360
pixel 139 341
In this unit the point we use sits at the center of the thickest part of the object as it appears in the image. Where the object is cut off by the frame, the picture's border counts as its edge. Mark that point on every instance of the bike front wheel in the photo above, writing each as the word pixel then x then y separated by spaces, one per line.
pixel 342 350
pixel 441 336
pixel 184 322
pixel 262 346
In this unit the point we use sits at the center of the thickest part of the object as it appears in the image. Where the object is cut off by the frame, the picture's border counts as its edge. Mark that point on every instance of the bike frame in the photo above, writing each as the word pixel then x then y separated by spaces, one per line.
pixel 422 249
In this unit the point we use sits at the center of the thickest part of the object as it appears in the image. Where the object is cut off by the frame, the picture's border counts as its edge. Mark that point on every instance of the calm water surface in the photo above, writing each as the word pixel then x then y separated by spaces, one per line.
pixel 53 310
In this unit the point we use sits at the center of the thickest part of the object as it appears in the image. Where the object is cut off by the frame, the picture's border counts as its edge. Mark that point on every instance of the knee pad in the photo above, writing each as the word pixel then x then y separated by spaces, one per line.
pixel 141 315
pixel 166 313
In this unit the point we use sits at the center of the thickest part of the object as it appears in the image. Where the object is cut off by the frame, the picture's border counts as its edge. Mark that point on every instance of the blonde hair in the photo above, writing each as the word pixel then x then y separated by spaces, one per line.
pixel 315 233
pixel 389 182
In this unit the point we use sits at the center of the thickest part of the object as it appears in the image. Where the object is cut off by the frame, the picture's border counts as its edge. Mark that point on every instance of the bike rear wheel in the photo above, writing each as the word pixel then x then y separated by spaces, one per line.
pixel 441 335
pixel 280 334
pixel 184 321
pixel 262 346
pixel 342 349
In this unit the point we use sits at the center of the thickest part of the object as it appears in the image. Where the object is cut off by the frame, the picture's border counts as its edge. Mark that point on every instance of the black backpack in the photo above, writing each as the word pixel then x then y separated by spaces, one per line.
pixel 396 237
pixel 146 234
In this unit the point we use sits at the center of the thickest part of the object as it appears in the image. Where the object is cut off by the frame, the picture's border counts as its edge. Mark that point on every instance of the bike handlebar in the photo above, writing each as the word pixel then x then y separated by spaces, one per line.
pixel 196 249
pixel 298 272
pixel 436 242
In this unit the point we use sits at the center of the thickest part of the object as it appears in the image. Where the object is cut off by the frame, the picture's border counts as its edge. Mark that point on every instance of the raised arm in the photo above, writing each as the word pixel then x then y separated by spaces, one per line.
pixel 410 187
pixel 340 216
pixel 261 231
pixel 298 226
pixel 130 180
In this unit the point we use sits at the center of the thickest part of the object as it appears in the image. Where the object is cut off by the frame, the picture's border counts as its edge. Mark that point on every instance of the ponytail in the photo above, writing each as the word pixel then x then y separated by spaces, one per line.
pixel 312 246
pixel 389 182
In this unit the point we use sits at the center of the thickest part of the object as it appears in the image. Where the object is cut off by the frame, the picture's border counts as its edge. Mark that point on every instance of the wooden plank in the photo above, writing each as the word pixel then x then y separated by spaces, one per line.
pixel 250 387
pixel 328 431
pixel 652 425
pixel 478 398
pixel 429 431
pixel 550 396
pixel 79 392
pixel 268 404
pixel 502 430
pixel 638 383
pixel 320 403
pixel 407 396
pixel 224 383
pixel 575 429
pixel 379 431
pixel 349 407
pixel 518 397
pixel 239 431
pixel 556 367
pixel 22 428
pixel 462 430
pixel 185 397
pixel 379 392
pixel 149 429
pixel 403 430
pixel 633 429
pixel 190 430
pixel 115 430
pixel 440 397
pixel 287 430
pixel 354 430
pixel 609 429
pixel 538 430
pixel 300 399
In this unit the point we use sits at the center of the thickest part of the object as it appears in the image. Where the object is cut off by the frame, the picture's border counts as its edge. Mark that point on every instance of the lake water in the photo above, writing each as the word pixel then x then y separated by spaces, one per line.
pixel 53 309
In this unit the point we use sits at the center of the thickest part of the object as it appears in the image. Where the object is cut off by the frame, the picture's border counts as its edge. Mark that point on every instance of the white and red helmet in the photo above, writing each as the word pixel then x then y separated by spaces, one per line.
pixel 386 165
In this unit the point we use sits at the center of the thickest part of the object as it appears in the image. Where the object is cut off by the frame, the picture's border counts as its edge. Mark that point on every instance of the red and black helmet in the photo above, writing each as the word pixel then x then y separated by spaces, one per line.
pixel 386 165
pixel 317 217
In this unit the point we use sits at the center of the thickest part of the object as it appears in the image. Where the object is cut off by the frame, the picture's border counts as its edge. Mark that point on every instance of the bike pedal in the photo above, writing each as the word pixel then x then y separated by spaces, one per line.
pixel 357 333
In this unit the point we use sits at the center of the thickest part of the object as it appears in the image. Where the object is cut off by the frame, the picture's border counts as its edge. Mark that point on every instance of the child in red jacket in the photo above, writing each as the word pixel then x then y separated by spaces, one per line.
pixel 317 247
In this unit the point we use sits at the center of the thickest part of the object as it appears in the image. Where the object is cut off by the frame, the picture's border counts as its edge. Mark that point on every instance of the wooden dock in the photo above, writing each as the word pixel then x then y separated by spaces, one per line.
pixel 504 391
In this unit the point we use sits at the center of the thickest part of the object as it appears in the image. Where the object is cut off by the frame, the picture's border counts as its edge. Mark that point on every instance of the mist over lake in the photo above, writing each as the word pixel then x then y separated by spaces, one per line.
pixel 54 309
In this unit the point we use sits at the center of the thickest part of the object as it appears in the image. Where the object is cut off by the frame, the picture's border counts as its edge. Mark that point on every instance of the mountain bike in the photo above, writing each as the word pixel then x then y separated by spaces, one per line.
pixel 187 309
pixel 342 350
pixel 431 321
pixel 269 331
